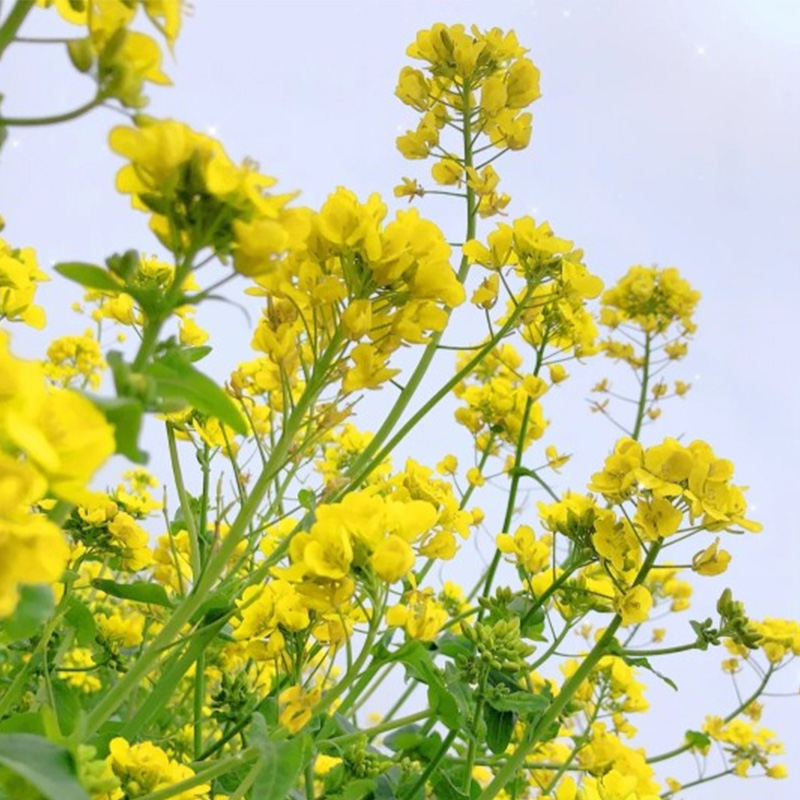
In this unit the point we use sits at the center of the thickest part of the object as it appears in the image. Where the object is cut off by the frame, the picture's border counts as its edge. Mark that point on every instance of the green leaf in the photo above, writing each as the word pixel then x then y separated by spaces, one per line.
pixel 698 739
pixel 520 702
pixel 176 378
pixel 499 727
pixel 34 607
pixel 281 761
pixel 197 353
pixel 639 661
pixel 125 415
pixel 81 620
pixel 29 722
pixel 419 664
pixel 48 767
pixel 89 275
pixel 445 788
pixel 139 591
pixel 67 706
pixel 405 738
pixel 357 790
pixel 307 498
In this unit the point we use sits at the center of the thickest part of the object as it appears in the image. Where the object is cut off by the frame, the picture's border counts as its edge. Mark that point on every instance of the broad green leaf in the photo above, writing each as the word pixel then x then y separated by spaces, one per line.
pixel 177 379
pixel 520 702
pixel 81 620
pixel 698 739
pixel 29 722
pixel 68 707
pixel 34 607
pixel 89 275
pixel 499 727
pixel 125 414
pixel 48 767
pixel 357 790
pixel 196 353
pixel 282 761
pixel 405 738
pixel 139 591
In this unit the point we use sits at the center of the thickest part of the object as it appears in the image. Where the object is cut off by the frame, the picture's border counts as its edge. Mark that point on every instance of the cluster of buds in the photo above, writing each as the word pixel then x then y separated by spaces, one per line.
pixel 735 622
pixel 500 645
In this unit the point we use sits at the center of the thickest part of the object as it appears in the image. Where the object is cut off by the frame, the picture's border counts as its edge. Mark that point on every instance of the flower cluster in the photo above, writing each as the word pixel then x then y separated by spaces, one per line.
pixel 52 441
pixel 19 279
pixel 119 58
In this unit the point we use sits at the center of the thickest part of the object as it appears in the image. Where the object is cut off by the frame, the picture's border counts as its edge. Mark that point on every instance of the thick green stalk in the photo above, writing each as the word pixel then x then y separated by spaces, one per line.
pixel 432 766
pixel 218 768
pixel 517 759
pixel 13 23
pixel 217 563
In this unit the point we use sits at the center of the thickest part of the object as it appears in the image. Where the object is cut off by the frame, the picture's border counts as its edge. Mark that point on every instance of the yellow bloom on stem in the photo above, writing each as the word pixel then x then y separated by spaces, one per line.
pixel 634 606
pixel 393 559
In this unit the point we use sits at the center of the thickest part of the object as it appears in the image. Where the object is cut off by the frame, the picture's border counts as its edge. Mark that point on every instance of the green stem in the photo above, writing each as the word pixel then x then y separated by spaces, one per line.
pixel 517 759
pixel 432 766
pixel 186 506
pixel 53 119
pixel 13 23
pixel 366 462
pixel 376 730
pixel 476 721
pixel 437 397
pixel 199 697
pixel 699 781
pixel 643 393
pixel 512 498
pixel 218 561
pixel 664 651
pixel 735 713
pixel 209 773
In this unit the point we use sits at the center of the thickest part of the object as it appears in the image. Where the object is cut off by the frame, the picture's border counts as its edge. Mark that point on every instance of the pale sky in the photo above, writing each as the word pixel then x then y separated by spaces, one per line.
pixel 668 132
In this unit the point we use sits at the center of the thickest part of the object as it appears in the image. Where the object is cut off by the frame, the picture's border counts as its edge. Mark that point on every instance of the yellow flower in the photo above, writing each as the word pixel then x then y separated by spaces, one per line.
pixel 711 561
pixel 634 606
pixel 447 172
pixel 144 768
pixel 298 706
pixel 393 558
pixel 19 279
pixel 369 370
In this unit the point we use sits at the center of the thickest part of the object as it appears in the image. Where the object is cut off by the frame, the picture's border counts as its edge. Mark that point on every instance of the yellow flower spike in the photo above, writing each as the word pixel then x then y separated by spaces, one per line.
pixel 557 373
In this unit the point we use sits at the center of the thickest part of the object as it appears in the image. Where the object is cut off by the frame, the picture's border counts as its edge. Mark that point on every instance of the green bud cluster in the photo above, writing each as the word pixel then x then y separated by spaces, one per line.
pixel 735 622
pixel 500 645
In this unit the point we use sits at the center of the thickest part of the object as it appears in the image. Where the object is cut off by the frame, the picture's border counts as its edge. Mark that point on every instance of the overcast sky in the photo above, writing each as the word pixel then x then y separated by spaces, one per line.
pixel 668 132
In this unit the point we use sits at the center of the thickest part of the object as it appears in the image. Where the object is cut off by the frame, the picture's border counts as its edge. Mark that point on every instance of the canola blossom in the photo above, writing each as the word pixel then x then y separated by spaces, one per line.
pixel 224 631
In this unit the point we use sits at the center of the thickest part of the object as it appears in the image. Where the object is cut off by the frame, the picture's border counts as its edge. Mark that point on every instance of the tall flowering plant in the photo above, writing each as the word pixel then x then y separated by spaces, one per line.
pixel 230 640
